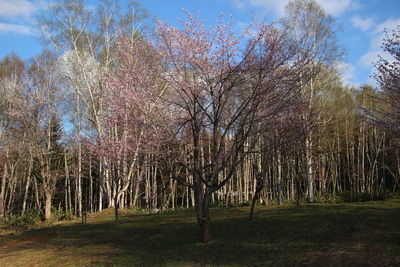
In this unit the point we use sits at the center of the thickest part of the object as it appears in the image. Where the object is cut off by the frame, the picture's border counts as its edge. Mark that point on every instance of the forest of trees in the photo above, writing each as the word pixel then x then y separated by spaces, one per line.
pixel 119 112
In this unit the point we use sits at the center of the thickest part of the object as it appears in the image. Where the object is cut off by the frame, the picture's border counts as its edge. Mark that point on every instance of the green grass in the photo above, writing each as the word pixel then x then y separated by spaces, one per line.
pixel 355 234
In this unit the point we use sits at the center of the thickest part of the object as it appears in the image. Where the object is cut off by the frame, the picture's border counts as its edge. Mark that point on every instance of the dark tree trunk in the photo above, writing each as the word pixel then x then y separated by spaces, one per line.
pixel 116 209
pixel 206 229
pixel 203 200
pixel 259 188
pixel 253 204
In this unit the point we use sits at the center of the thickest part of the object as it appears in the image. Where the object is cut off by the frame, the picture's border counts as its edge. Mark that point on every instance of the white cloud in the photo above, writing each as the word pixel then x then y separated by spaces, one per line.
pixel 16 8
pixel 389 24
pixel 363 24
pixel 15 28
pixel 371 56
pixel 379 32
pixel 375 51
pixel 17 15
pixel 277 7
pixel 347 72
pixel 336 7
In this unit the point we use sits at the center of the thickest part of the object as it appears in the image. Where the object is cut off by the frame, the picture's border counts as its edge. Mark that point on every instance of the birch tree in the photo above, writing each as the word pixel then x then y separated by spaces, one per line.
pixel 314 33
pixel 86 40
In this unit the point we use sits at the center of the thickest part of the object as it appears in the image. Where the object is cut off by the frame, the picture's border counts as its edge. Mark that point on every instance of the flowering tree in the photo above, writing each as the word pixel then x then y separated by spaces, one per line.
pixel 134 117
pixel 86 39
pixel 387 74
pixel 222 87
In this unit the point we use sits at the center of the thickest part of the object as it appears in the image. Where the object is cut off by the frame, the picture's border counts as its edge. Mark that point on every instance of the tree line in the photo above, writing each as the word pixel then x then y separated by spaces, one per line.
pixel 122 113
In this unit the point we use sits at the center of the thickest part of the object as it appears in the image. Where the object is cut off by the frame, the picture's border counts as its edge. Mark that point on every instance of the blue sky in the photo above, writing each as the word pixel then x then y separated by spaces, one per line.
pixel 362 24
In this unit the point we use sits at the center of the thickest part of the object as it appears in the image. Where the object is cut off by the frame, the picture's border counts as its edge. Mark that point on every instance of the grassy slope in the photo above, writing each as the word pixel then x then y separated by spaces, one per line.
pixel 341 235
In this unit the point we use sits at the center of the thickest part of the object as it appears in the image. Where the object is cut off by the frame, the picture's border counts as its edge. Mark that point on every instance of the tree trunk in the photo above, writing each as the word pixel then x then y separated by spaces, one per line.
pixel 12 186
pixel 310 174
pixel 206 229
pixel 90 185
pixel 3 189
pixel 255 197
pixel 203 199
pixel 205 221
pixel 38 206
pixel 116 209
pixel 279 174
pixel 66 184
pixel 28 181
pixel 47 206
pixel 79 171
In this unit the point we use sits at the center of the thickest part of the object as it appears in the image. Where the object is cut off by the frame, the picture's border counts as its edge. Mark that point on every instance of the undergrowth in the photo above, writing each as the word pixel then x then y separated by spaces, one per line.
pixel 33 217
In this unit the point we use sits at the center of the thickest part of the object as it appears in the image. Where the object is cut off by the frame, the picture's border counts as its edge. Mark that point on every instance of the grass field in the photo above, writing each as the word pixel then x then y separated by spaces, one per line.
pixel 355 234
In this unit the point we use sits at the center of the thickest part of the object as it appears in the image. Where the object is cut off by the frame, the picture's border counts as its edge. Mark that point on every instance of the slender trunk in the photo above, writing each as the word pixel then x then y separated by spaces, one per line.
pixel 173 189
pixel 116 209
pixel 253 204
pixel 259 188
pixel 310 174
pixel 90 185
pixel 279 189
pixel 84 206
pixel 36 192
pixel 3 188
pixel 154 191
pixel 137 186
pixel 108 186
pixel 28 181
pixel 76 194
pixel 147 188
pixel 79 174
pixel 11 192
pixel 362 166
pixel 66 195
pixel 101 171
pixel 67 182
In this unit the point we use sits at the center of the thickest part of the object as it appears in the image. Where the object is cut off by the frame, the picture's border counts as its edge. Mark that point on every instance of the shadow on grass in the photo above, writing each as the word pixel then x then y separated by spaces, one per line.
pixel 348 234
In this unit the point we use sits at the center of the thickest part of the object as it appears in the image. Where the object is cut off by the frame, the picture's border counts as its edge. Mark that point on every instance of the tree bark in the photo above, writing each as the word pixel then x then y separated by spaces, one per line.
pixel 116 209
pixel 3 188
pixel 310 173
pixel 79 174
pixel 28 181
pixel 279 184
pixel 47 206
pixel 254 200
pixel 203 199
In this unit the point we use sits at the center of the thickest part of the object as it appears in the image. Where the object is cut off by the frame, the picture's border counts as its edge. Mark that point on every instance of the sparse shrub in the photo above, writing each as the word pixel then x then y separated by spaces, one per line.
pixel 30 218
pixel 223 204
pixel 331 198
pixel 67 216
pixel 60 215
